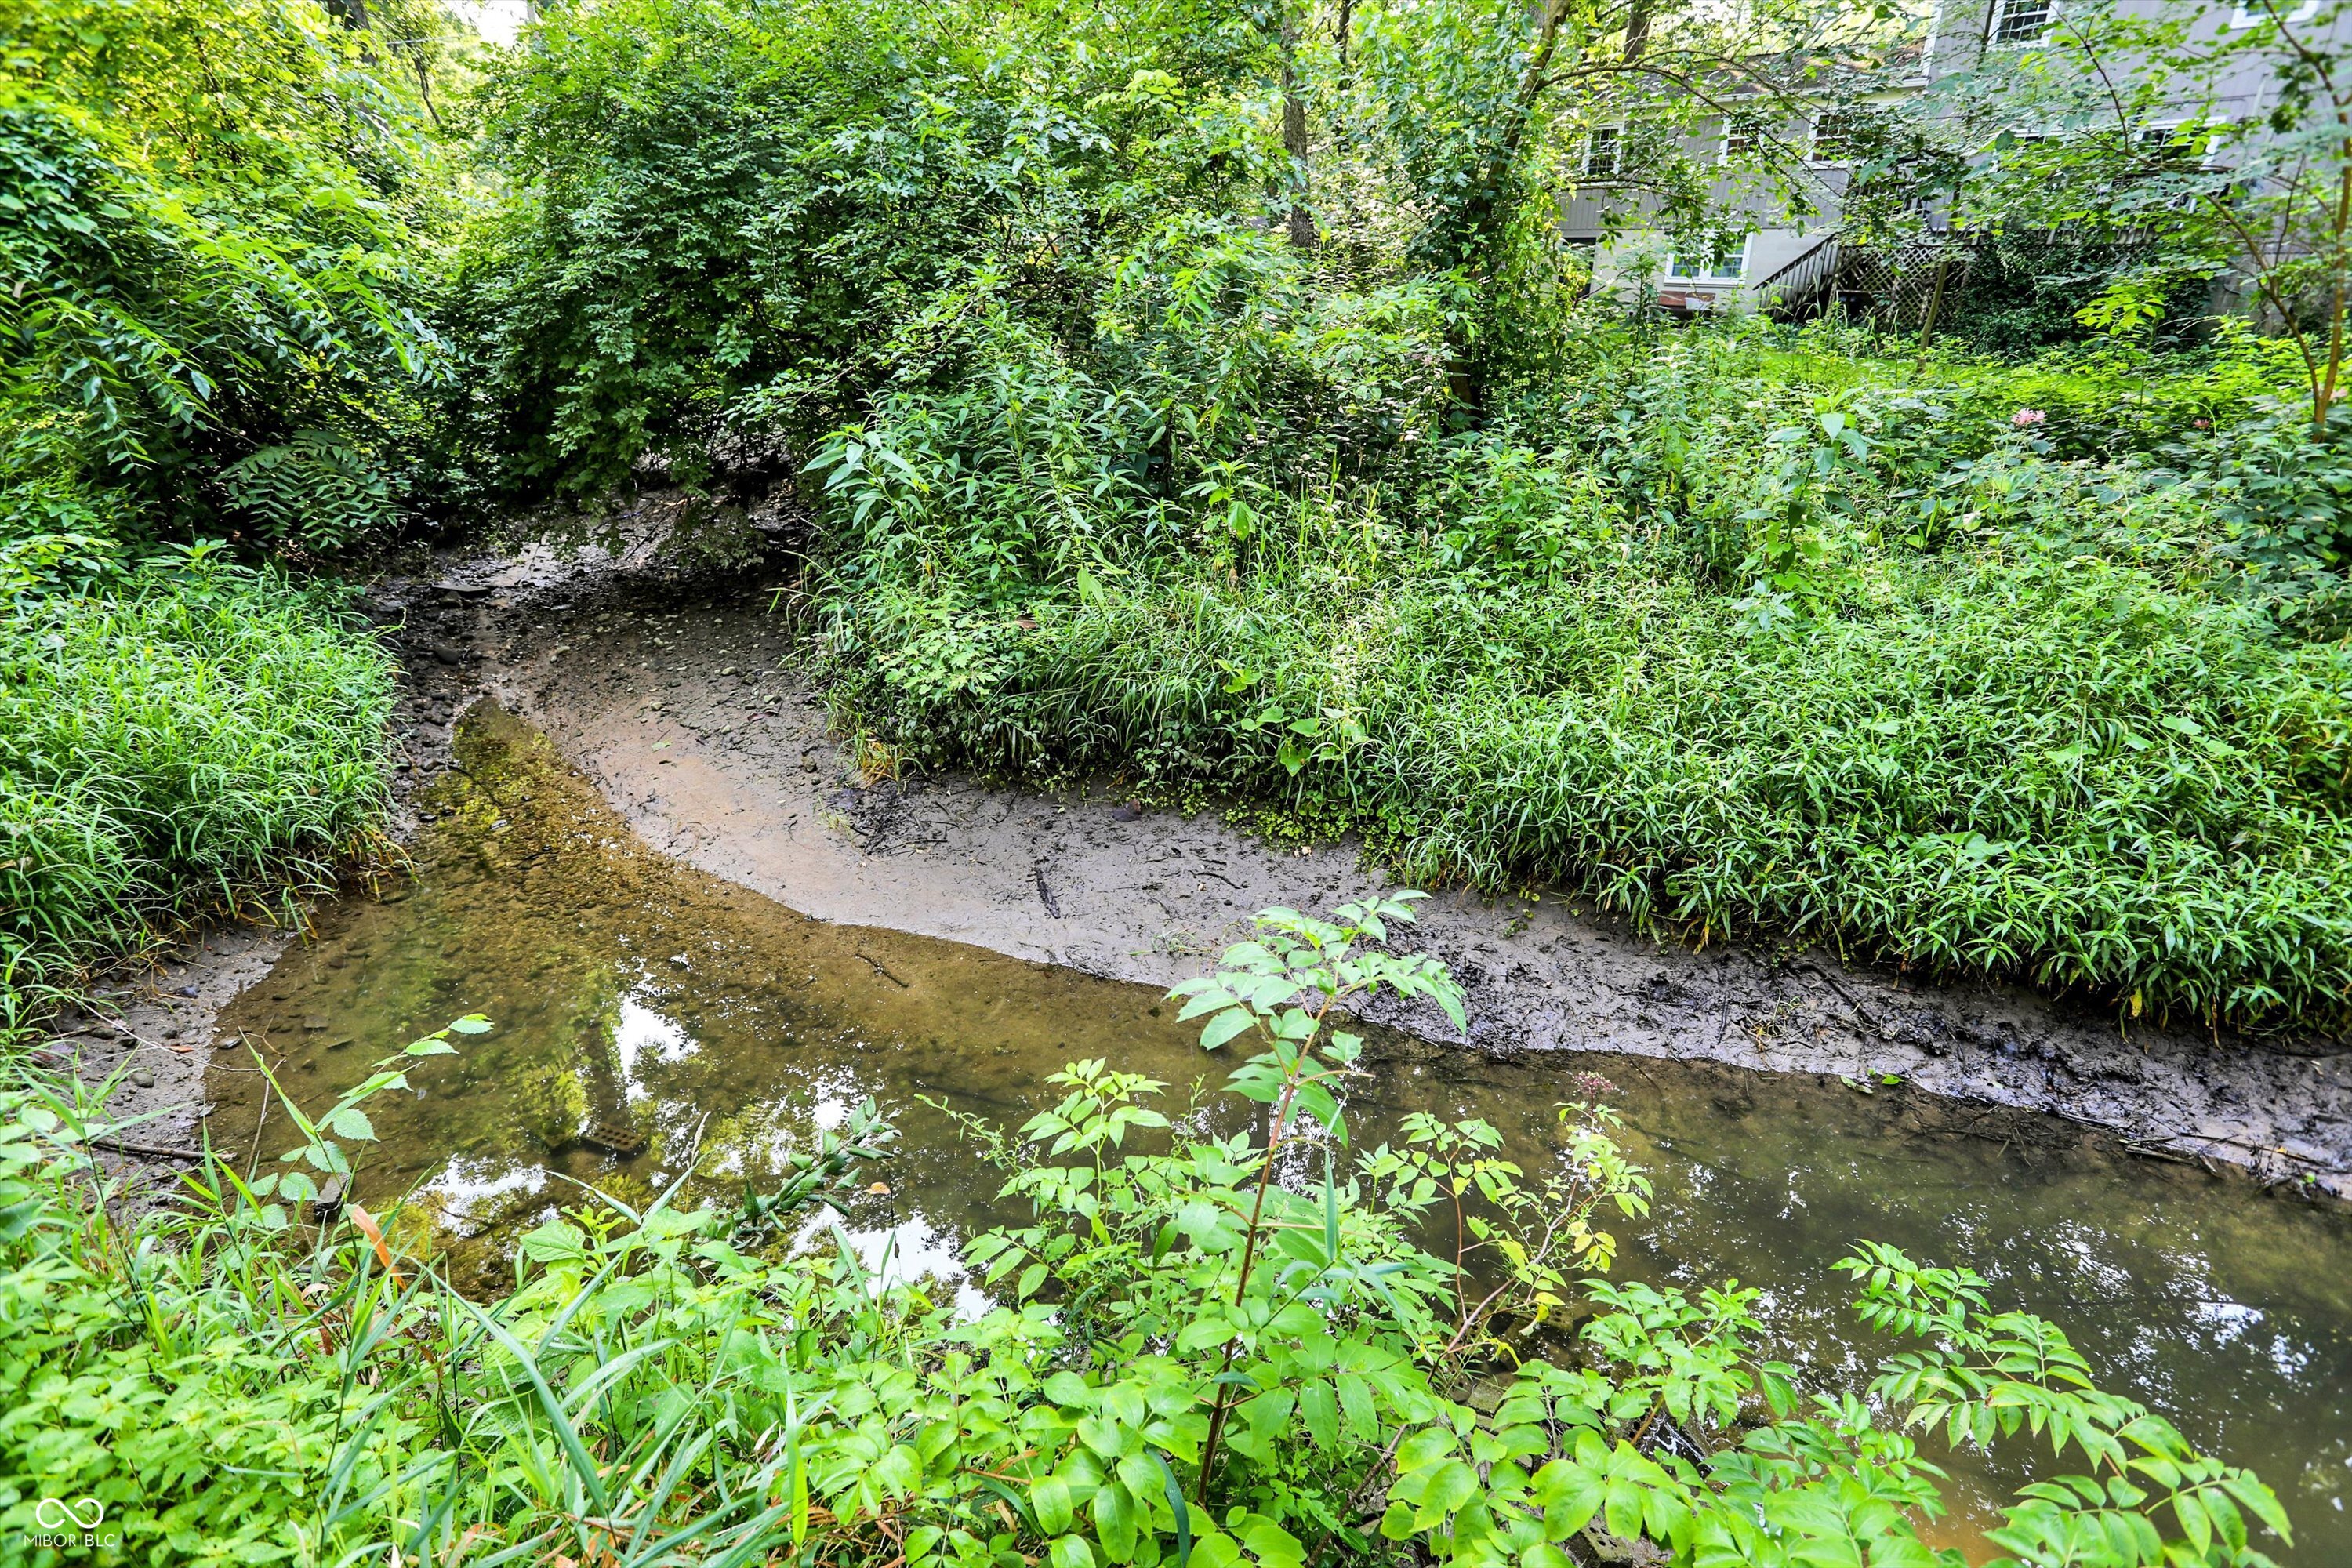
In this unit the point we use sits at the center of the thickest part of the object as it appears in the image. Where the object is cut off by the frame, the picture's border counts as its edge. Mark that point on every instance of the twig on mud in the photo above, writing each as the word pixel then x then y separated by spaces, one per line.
pixel 148 1150
pixel 1859 1010
pixel 885 974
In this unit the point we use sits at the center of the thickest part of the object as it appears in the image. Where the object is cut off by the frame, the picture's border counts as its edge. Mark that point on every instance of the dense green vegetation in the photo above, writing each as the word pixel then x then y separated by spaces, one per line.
pixel 1188 1361
pixel 2042 747
pixel 214 275
pixel 1204 395
pixel 2033 668
pixel 191 740
pixel 216 243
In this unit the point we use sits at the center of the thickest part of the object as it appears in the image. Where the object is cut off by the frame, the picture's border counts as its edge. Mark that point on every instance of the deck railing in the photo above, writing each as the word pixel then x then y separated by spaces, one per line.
pixel 1804 286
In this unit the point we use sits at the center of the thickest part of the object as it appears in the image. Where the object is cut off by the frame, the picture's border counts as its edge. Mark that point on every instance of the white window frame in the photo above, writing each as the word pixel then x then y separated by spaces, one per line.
pixel 1715 278
pixel 1723 144
pixel 2218 134
pixel 1813 144
pixel 1616 142
pixel 2201 157
pixel 2255 16
pixel 1993 40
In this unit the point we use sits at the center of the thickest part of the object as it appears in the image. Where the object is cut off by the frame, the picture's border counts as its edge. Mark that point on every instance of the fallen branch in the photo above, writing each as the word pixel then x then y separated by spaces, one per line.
pixel 150 1151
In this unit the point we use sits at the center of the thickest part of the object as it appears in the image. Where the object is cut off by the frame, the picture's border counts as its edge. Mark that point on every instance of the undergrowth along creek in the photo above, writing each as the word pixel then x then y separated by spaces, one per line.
pixel 181 739
pixel 2023 714
pixel 2032 762
pixel 1200 1350
pixel 213 265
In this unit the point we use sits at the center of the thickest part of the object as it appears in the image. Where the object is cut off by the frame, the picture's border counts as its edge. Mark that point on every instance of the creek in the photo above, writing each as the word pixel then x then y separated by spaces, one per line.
pixel 650 1018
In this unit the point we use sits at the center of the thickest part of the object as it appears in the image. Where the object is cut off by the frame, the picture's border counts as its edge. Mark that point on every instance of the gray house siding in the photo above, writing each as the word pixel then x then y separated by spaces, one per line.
pixel 1960 34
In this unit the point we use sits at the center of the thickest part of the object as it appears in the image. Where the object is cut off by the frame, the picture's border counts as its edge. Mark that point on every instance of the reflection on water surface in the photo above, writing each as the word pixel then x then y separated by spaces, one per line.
pixel 645 1011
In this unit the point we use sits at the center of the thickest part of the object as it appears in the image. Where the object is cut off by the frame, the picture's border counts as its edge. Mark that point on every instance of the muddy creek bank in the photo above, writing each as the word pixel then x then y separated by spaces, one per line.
pixel 678 702
pixel 651 1016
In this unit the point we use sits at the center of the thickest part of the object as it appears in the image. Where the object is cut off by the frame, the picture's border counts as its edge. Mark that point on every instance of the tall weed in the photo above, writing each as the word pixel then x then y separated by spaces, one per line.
pixel 202 740
pixel 2003 761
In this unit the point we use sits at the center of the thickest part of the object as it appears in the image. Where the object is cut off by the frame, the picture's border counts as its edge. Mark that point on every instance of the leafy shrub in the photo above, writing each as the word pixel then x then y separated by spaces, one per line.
pixel 313 489
pixel 1235 392
pixel 213 250
pixel 2025 291
pixel 2290 496
pixel 205 739
pixel 1504 509
pixel 834 224
pixel 741 234
pixel 1203 1350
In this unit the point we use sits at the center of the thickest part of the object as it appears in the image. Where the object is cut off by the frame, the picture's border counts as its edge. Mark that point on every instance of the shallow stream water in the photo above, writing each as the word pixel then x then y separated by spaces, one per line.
pixel 644 1012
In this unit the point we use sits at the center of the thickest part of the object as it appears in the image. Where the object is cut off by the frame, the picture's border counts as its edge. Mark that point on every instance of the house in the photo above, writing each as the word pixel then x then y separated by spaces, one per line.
pixel 1794 259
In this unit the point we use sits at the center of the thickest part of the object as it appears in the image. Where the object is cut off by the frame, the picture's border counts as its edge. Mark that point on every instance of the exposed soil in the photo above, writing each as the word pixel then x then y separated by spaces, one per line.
pixel 156 1031
pixel 669 697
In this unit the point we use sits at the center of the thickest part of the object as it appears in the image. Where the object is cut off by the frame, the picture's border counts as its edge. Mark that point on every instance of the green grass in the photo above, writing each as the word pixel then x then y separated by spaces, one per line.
pixel 2044 763
pixel 201 742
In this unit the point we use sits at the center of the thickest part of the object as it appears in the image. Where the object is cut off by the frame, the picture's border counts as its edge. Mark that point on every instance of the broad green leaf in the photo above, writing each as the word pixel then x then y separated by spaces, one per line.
pixel 1319 1408
pixel 1272 1545
pixel 1049 1500
pixel 1115 1521
pixel 1450 1485
pixel 1225 1025
pixel 1423 1448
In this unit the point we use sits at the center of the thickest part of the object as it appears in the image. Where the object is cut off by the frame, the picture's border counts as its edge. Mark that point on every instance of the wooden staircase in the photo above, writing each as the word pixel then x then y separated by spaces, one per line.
pixel 1892 288
pixel 1807 286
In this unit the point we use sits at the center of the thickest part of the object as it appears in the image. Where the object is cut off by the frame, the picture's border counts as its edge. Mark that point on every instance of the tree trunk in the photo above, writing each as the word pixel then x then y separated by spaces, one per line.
pixel 1486 209
pixel 1294 135
pixel 2323 397
pixel 1482 213
pixel 1935 309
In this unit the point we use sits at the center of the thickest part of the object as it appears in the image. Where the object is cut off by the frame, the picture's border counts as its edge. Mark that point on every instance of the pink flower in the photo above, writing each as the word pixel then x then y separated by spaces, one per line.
pixel 2200 423
pixel 2026 418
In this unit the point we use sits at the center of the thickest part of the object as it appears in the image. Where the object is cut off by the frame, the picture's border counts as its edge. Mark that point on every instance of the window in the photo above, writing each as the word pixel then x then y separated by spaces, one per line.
pixel 1738 139
pixel 1727 266
pixel 2176 149
pixel 2255 16
pixel 1833 138
pixel 1601 146
pixel 2020 143
pixel 2173 146
pixel 2020 22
